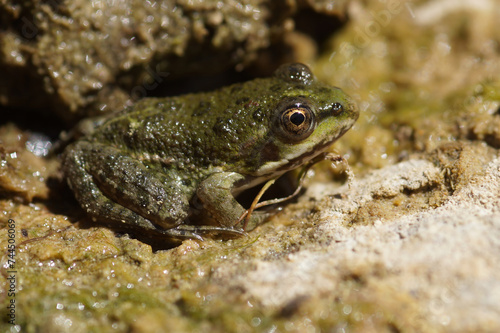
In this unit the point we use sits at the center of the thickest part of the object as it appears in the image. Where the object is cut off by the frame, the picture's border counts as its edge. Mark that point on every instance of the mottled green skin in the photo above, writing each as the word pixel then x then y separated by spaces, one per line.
pixel 173 165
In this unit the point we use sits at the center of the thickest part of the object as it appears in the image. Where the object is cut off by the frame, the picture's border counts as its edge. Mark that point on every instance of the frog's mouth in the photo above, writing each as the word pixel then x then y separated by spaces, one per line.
pixel 275 169
pixel 295 162
pixel 276 166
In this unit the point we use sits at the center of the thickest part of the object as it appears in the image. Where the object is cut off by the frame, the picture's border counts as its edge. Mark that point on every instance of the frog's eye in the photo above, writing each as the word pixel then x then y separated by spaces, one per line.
pixel 296 122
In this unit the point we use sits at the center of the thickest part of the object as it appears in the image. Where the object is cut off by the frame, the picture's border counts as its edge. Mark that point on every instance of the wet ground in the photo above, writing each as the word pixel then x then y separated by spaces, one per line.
pixel 411 244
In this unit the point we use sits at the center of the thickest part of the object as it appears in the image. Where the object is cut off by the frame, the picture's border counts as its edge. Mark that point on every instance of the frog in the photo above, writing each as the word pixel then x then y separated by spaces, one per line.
pixel 174 166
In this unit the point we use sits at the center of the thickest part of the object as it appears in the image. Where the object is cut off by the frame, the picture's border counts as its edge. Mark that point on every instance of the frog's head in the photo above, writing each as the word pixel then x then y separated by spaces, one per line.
pixel 306 116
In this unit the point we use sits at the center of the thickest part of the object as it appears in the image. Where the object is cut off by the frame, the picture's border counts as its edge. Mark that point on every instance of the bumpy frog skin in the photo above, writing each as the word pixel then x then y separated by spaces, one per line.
pixel 173 165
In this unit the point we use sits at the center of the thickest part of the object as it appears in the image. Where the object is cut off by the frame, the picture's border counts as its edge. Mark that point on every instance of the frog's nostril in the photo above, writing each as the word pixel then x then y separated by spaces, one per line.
pixel 337 108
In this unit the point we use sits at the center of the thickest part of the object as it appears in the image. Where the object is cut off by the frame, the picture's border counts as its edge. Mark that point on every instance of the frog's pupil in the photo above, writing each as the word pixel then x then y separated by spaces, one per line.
pixel 297 118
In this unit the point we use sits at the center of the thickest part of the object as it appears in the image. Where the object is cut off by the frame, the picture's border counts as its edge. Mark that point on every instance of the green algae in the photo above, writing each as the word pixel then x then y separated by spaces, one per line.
pixel 416 102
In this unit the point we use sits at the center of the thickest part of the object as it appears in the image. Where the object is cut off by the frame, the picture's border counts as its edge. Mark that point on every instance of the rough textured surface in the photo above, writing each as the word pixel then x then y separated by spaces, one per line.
pixel 446 258
pixel 412 245
pixel 23 175
pixel 87 57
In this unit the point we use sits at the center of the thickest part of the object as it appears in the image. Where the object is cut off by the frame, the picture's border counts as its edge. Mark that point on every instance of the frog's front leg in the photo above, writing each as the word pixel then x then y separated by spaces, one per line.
pixel 218 201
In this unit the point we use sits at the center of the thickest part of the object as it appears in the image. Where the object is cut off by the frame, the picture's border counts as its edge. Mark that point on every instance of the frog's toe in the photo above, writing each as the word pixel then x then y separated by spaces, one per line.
pixel 197 231
pixel 181 233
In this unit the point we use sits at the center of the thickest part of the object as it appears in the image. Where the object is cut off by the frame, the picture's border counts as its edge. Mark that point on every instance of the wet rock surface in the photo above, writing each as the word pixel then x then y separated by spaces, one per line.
pixel 411 244
pixel 84 58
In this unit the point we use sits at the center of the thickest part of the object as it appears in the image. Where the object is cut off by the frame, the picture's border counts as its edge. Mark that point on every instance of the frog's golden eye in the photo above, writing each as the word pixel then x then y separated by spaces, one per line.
pixel 297 122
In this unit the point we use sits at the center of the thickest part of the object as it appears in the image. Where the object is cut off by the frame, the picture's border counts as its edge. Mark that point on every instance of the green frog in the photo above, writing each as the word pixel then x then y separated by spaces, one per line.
pixel 174 165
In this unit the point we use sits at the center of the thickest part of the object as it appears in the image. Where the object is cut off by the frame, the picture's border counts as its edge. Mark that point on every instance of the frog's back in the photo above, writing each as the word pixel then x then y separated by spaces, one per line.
pixel 198 130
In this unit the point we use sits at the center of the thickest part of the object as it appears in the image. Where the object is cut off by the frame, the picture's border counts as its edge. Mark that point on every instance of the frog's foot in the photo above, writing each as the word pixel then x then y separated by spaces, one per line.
pixel 196 232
